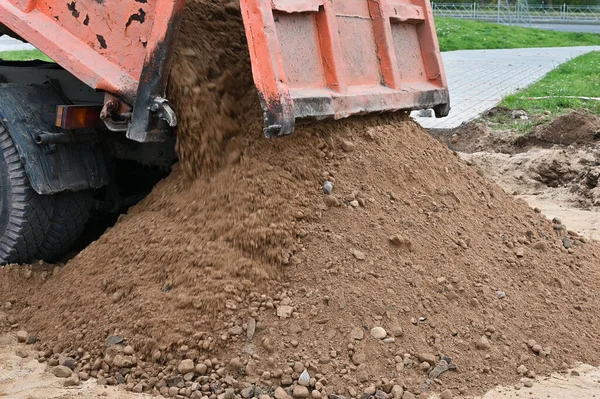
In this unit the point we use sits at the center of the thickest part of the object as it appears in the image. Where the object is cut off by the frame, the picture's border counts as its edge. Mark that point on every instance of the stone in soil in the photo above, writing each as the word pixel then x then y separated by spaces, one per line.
pixel 357 333
pixel 446 394
pixel 378 333
pixel 483 343
pixel 300 392
pixel 62 371
pixel 22 336
pixel 186 366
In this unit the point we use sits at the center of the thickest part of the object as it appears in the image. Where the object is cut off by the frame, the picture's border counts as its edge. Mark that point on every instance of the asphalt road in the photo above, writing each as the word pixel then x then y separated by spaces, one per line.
pixel 566 27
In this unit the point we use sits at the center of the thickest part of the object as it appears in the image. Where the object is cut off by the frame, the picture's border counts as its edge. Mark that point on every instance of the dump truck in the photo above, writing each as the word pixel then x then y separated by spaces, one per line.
pixel 63 125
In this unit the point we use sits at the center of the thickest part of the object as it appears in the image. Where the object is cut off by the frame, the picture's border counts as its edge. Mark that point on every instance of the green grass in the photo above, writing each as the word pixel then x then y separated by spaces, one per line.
pixel 457 34
pixel 24 55
pixel 578 77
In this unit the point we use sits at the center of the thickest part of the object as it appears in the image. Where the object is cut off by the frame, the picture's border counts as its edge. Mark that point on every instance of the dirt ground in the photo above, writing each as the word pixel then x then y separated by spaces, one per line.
pixel 554 168
pixel 26 378
pixel 558 178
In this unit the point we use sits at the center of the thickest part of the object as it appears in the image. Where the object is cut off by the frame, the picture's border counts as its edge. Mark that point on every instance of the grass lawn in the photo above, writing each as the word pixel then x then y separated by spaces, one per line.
pixel 578 77
pixel 458 34
pixel 23 55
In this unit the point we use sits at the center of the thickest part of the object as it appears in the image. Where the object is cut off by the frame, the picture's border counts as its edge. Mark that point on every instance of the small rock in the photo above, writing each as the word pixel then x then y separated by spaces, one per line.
pixel 128 350
pixel 186 366
pixel 500 295
pixel 522 369
pixel 408 395
pixel 22 336
pixel 397 392
pixel 540 245
pixel 62 371
pixel 284 311
pixel 121 361
pixel 22 353
pixel 359 358
pixel 304 379
pixel 71 381
pixel 519 114
pixel 331 201
pixel 370 390
pixel 357 333
pixel 424 366
pixel 396 330
pixel 378 333
pixel 280 393
pixel 315 394
pixel 358 254
pixel 575 373
pixel 447 394
pixel 300 392
pixel 527 382
pixel 566 242
pixel 381 394
pixel 251 329
pixel 429 358
pixel 113 340
pixel 328 187
pixel 201 368
pixel 483 343
pixel 441 368
pixel 556 221
pixel 520 252
pixel 347 146
pixel 353 204
pixel 537 348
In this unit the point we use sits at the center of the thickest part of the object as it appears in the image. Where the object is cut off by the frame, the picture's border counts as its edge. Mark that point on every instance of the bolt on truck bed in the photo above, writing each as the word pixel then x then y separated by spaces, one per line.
pixel 310 58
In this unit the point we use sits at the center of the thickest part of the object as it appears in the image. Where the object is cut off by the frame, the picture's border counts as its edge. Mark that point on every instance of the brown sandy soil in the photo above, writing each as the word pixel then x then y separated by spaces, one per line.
pixel 239 276
pixel 26 378
pixel 554 168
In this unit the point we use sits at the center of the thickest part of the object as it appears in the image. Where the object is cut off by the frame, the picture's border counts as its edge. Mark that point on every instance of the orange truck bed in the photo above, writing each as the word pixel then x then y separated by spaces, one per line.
pixel 310 58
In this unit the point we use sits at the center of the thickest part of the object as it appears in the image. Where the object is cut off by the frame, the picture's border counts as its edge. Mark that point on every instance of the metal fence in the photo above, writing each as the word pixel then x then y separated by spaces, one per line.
pixel 518 13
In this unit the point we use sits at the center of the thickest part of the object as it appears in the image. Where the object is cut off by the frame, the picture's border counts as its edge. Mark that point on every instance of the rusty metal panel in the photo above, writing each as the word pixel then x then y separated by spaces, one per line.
pixel 102 42
pixel 123 48
pixel 336 58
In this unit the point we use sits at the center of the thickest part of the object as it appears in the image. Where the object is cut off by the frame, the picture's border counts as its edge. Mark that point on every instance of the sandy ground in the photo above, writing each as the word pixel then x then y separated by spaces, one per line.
pixel 549 179
pixel 26 378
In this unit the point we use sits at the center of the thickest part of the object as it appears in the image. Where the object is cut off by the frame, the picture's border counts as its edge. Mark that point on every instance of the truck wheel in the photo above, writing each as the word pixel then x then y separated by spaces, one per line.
pixel 24 214
pixel 71 213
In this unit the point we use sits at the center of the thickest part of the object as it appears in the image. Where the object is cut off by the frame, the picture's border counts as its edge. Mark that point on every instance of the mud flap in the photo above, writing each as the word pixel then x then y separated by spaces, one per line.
pixel 28 111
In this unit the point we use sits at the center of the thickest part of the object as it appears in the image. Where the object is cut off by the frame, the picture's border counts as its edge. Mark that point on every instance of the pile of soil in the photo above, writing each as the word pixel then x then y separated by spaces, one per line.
pixel 557 161
pixel 250 281
pixel 576 127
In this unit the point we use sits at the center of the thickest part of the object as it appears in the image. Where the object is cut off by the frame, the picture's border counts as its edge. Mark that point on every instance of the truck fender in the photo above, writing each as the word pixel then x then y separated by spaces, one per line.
pixel 28 111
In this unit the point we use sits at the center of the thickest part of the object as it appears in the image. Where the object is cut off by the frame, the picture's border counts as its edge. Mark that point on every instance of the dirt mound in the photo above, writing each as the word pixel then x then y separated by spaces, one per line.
pixel 192 272
pixel 474 137
pixel 577 127
pixel 248 275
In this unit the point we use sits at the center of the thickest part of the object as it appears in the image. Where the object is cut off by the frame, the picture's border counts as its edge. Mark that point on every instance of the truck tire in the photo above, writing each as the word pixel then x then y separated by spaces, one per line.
pixel 24 214
pixel 71 213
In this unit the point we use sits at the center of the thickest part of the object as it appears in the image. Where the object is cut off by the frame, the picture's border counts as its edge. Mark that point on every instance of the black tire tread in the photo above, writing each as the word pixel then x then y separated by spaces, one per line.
pixel 29 213
pixel 71 213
